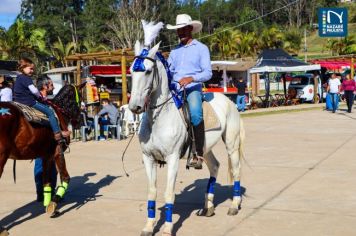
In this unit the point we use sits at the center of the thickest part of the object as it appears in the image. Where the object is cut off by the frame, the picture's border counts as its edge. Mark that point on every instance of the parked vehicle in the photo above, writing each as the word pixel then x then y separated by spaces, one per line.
pixel 304 86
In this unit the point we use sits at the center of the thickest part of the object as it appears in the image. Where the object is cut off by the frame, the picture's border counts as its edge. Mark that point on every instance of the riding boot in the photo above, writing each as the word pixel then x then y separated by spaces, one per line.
pixel 199 135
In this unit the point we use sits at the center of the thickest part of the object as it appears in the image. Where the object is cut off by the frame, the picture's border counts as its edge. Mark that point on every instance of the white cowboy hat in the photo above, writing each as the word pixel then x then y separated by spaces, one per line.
pixel 183 20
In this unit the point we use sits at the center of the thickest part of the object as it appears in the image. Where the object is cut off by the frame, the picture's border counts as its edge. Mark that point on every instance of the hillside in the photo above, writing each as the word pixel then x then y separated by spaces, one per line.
pixel 316 44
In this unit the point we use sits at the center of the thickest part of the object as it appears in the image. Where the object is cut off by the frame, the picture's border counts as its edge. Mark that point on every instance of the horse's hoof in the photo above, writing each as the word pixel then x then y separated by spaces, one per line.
pixel 3 232
pixel 51 208
pixel 202 212
pixel 206 212
pixel 210 212
pixel 145 233
pixel 233 211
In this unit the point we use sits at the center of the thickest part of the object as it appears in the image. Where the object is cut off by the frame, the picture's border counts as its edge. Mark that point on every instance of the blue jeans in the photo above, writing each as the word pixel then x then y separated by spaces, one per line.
pixel 38 171
pixel 328 103
pixel 50 114
pixel 195 104
pixel 334 100
pixel 240 102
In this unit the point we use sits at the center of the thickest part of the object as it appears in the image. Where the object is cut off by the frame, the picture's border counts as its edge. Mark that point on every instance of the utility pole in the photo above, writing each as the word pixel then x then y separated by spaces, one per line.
pixel 305 45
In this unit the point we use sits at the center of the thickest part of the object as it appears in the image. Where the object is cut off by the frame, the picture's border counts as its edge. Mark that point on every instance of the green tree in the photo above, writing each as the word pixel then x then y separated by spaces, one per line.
pixel 292 40
pixel 95 15
pixel 21 39
pixel 271 38
pixel 342 46
pixel 224 42
pixel 60 51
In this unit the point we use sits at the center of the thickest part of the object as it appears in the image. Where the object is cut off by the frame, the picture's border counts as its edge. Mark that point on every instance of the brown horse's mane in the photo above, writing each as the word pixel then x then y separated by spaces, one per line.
pixel 67 102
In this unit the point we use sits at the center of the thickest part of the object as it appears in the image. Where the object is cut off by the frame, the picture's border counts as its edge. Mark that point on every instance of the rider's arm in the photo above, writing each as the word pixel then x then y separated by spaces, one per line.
pixel 34 90
pixel 205 65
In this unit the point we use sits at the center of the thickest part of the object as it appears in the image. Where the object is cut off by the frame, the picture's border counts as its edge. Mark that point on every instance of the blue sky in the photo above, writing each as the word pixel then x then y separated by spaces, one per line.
pixel 9 9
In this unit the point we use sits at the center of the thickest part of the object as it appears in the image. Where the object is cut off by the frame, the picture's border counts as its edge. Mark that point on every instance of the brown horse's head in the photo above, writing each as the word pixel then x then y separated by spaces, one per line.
pixel 68 100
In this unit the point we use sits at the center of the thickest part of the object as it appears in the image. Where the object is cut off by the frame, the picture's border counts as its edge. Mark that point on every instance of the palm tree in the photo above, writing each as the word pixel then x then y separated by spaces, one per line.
pixel 224 43
pixel 271 38
pixel 346 45
pixel 247 45
pixel 21 39
pixel 292 40
pixel 90 46
pixel 61 50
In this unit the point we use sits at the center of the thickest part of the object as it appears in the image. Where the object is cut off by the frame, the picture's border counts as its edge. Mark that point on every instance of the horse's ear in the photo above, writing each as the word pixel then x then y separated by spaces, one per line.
pixel 80 86
pixel 153 50
pixel 138 48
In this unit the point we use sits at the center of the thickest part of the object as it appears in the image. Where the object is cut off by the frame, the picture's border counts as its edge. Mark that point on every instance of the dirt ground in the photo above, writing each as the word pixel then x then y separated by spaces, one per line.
pixel 298 178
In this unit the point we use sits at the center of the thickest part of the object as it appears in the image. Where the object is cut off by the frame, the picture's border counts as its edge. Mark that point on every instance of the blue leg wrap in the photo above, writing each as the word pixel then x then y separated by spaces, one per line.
pixel 151 209
pixel 211 184
pixel 169 212
pixel 237 189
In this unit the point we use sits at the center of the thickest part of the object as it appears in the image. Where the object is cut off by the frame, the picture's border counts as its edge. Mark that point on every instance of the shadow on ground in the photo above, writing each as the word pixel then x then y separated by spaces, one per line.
pixel 191 199
pixel 80 192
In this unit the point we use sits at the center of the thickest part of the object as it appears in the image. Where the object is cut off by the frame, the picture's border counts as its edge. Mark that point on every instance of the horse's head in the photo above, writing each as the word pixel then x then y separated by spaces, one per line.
pixel 68 100
pixel 145 78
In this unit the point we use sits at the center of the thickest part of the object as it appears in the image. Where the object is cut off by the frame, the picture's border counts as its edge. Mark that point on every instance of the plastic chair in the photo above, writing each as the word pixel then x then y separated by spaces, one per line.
pixel 130 121
pixel 85 128
pixel 116 128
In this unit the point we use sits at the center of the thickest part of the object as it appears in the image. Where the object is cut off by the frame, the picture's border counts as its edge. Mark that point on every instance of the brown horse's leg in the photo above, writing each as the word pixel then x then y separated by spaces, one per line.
pixel 46 176
pixel 62 169
pixel 4 155
pixel 47 189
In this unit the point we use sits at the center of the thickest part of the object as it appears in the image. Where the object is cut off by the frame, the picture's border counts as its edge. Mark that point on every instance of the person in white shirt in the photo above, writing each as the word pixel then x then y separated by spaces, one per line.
pixel 334 90
pixel 5 90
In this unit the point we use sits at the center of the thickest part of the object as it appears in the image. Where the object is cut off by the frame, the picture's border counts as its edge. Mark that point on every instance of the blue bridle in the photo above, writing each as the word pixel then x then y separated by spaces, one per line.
pixel 140 67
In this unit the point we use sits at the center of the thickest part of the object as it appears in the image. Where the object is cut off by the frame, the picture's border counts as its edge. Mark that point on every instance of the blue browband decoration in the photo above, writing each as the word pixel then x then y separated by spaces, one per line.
pixel 139 66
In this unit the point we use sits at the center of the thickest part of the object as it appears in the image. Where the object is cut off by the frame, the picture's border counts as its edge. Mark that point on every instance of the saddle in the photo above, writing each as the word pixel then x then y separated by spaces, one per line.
pixel 211 121
pixel 32 115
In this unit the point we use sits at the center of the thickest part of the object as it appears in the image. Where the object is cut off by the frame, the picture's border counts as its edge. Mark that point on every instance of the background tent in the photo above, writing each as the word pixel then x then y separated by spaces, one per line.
pixel 278 60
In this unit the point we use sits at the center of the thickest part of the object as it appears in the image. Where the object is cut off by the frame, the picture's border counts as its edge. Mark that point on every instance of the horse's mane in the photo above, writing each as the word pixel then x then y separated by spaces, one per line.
pixel 66 99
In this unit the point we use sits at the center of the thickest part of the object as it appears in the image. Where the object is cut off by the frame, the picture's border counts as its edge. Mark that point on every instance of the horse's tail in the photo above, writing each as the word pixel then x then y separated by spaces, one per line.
pixel 241 151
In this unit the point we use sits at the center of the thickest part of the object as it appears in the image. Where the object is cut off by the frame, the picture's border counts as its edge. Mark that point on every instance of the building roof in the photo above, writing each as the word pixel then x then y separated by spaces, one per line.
pixel 242 65
pixel 61 70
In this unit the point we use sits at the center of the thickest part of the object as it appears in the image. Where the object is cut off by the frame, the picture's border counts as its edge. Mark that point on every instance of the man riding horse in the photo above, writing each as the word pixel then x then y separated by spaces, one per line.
pixel 190 66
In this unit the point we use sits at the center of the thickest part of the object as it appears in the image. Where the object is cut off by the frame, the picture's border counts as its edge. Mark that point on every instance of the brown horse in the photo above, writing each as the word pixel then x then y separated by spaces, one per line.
pixel 20 140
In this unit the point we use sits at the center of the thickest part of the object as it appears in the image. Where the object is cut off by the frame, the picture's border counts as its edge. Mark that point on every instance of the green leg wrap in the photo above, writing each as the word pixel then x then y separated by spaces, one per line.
pixel 47 195
pixel 62 189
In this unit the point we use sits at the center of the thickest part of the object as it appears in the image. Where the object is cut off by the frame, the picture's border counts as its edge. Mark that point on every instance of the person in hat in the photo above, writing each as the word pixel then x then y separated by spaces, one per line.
pixel 190 66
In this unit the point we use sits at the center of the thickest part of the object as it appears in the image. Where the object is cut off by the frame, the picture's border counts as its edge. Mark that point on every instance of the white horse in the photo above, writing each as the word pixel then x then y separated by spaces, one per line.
pixel 163 135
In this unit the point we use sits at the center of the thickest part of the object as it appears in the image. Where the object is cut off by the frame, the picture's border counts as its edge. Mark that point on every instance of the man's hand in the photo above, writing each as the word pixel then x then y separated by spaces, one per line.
pixel 185 81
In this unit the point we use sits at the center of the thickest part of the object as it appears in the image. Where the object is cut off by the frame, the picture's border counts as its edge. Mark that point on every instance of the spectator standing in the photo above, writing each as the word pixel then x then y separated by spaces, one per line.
pixel 349 86
pixel 45 86
pixel 241 94
pixel 334 90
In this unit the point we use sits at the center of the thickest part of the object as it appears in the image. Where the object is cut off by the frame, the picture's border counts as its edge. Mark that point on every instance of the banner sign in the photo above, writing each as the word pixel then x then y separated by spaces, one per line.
pixel 332 22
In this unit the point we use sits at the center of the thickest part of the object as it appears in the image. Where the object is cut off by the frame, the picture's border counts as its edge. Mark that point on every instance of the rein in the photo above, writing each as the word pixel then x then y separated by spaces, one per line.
pixel 155 78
